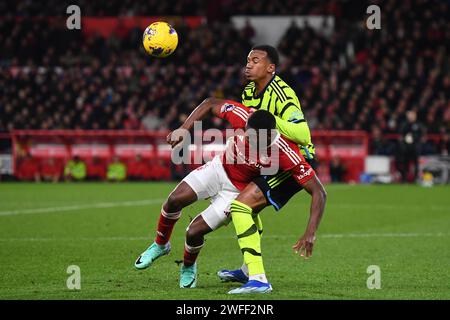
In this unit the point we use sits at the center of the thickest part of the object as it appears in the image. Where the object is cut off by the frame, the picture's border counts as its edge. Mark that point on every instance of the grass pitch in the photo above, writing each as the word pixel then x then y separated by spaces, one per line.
pixel 102 228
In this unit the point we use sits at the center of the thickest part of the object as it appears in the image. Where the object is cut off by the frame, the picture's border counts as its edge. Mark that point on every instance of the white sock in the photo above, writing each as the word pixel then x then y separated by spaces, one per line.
pixel 260 277
pixel 162 246
pixel 244 269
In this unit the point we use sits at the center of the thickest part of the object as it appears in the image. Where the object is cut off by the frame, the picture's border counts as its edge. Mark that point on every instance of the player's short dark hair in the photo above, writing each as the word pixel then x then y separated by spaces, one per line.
pixel 272 53
pixel 261 119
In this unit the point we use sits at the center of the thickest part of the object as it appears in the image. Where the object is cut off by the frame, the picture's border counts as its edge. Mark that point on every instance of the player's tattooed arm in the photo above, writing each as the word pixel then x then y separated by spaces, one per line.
pixel 206 108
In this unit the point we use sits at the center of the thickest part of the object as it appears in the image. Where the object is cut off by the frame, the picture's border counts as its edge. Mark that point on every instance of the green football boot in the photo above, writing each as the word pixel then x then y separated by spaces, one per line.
pixel 151 254
pixel 188 276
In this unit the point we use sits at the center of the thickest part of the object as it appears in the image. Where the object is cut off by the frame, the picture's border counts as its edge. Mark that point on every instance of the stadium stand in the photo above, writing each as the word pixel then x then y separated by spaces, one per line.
pixel 353 80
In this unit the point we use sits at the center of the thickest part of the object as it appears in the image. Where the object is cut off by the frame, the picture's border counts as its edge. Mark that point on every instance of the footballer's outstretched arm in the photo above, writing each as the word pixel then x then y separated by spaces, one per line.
pixel 207 107
pixel 305 244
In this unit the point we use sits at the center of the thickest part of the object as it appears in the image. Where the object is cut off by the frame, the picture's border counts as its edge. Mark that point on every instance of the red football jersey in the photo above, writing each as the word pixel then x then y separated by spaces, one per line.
pixel 242 168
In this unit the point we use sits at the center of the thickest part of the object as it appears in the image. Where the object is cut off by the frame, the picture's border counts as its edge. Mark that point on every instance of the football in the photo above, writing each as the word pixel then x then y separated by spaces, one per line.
pixel 160 39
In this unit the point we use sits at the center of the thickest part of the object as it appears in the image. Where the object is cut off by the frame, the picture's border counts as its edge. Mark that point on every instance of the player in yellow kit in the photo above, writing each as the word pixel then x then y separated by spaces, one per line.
pixel 266 90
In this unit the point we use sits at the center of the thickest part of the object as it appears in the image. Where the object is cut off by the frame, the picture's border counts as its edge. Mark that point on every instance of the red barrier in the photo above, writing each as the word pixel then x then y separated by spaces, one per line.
pixel 351 147
pixel 120 26
pixel 97 148
pixel 139 150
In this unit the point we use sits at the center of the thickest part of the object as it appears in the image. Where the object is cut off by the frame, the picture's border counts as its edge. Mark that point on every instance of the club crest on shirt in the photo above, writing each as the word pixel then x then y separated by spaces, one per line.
pixel 296 115
pixel 227 107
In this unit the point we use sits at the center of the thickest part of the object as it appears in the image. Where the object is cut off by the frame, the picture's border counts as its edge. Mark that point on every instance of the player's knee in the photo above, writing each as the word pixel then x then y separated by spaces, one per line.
pixel 258 197
pixel 253 197
pixel 191 233
pixel 173 203
pixel 194 234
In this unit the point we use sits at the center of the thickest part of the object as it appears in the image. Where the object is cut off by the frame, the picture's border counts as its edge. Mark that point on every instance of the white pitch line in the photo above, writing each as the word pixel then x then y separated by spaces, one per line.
pixel 103 205
pixel 388 207
pixel 384 235
pixel 100 205
pixel 329 235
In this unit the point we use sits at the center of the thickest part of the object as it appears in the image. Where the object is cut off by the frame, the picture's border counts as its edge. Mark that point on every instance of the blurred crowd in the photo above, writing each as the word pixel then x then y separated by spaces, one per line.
pixel 52 79
pixel 218 9
pixel 355 79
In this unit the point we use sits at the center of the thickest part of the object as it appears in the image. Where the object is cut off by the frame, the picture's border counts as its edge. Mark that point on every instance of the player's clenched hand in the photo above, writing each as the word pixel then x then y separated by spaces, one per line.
pixel 176 136
pixel 304 245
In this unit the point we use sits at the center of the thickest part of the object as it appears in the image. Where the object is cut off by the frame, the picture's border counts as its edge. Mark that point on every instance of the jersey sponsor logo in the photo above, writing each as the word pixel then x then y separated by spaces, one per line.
pixel 304 174
pixel 227 107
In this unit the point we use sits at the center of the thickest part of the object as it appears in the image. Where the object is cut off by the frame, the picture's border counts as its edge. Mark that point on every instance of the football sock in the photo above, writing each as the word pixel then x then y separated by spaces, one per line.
pixel 190 254
pixel 260 277
pixel 165 226
pixel 248 237
pixel 258 222
pixel 244 269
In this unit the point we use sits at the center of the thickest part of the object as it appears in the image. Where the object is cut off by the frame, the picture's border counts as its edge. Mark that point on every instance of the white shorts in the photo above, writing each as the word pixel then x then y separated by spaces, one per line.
pixel 211 181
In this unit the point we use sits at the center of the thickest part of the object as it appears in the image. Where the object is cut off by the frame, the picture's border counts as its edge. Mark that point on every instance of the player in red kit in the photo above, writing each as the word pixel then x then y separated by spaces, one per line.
pixel 222 178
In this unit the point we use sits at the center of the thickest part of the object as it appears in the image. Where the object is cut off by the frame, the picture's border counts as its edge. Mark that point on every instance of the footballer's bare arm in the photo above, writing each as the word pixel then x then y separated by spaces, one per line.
pixel 204 109
pixel 304 246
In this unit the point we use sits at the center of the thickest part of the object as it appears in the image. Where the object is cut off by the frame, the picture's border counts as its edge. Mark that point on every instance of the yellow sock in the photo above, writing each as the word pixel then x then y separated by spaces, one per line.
pixel 248 237
pixel 258 222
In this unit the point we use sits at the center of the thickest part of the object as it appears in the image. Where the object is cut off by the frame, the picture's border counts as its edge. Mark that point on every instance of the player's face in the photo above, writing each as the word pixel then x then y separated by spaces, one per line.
pixel 258 65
